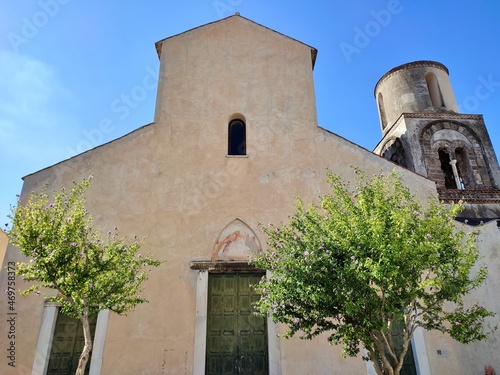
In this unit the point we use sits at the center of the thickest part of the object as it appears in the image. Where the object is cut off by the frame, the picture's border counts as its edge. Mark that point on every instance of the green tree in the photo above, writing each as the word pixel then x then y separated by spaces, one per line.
pixel 68 256
pixel 369 258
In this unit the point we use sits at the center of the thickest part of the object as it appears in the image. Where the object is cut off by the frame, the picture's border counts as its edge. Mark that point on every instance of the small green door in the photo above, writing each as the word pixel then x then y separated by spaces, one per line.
pixel 236 338
pixel 67 345
pixel 409 367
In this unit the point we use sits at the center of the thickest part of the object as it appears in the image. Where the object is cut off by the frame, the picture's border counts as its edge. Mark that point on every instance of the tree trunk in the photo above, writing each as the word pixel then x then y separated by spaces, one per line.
pixel 378 355
pixel 84 357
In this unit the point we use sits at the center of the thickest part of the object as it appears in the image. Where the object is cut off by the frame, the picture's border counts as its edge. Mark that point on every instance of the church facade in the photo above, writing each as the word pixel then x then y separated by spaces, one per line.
pixel 234 140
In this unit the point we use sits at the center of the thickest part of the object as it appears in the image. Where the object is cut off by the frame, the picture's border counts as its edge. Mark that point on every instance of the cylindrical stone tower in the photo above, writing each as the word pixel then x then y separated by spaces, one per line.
pixel 416 87
pixel 423 132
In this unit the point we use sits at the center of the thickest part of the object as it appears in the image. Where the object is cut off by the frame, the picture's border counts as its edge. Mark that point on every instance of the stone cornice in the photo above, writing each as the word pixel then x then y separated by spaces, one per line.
pixel 470 196
pixel 443 116
pixel 223 266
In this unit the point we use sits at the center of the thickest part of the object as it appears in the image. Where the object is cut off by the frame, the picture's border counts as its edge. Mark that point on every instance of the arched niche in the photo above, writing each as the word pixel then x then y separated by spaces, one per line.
pixel 394 151
pixel 463 147
pixel 237 241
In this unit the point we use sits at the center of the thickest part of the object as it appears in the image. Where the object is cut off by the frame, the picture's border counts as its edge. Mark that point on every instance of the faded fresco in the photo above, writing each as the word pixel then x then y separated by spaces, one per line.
pixel 236 242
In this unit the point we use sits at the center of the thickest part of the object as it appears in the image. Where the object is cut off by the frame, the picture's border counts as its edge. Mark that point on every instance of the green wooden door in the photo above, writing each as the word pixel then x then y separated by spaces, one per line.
pixel 236 338
pixel 67 345
pixel 409 367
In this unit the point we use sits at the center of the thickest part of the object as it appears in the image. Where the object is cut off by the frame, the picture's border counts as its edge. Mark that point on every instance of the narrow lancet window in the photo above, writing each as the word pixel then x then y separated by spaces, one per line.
pixel 434 91
pixel 446 167
pixel 463 169
pixel 381 110
pixel 237 138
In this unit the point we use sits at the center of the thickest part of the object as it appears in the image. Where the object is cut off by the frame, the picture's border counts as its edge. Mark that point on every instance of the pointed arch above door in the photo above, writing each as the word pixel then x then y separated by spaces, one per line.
pixel 237 241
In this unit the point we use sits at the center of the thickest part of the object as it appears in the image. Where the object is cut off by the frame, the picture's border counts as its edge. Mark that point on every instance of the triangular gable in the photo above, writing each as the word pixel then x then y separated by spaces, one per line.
pixel 314 51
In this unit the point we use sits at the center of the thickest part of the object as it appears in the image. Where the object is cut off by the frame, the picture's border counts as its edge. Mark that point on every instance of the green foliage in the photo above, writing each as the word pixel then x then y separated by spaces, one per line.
pixel 365 258
pixel 68 255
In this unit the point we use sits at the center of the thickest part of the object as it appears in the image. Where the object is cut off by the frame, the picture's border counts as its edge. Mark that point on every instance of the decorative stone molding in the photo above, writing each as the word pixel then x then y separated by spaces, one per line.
pixel 470 196
pixel 223 266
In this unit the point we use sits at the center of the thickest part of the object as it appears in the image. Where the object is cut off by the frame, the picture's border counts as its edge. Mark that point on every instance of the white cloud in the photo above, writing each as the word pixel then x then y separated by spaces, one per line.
pixel 31 98
pixel 34 121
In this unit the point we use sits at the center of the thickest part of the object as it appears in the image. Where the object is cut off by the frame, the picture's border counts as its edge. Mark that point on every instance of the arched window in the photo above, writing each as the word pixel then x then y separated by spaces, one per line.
pixel 449 177
pixel 381 110
pixel 236 138
pixel 434 91
pixel 463 169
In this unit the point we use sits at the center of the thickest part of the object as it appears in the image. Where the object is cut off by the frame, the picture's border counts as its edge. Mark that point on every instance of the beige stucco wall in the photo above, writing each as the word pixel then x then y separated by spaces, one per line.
pixel 470 359
pixel 4 240
pixel 173 182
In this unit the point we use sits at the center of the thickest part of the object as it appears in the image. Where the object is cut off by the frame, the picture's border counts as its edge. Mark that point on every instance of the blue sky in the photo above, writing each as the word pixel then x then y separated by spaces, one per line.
pixel 75 74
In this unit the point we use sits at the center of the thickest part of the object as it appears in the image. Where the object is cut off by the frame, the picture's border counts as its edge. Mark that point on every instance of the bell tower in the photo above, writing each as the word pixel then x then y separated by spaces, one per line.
pixel 423 131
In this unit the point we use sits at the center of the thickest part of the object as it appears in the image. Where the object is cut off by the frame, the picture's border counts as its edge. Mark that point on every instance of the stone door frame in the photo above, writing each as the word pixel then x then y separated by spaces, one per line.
pixel 200 339
pixel 46 335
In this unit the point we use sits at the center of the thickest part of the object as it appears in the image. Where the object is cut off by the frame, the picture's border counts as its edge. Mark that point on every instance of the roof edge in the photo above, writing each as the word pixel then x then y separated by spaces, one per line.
pixel 158 44
pixel 89 150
